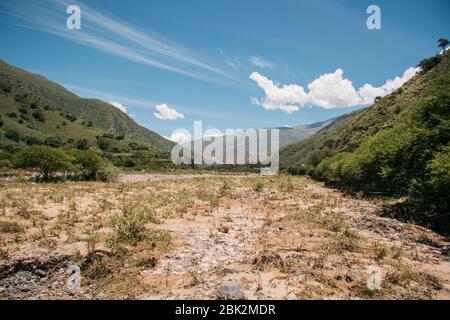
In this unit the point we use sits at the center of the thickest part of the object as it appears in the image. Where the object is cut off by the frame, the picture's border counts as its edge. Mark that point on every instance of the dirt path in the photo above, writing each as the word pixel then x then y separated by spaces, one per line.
pixel 152 177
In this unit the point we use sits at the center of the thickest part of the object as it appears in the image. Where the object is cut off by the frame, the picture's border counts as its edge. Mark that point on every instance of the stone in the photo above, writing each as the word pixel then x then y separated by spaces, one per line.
pixel 40 273
pixel 25 275
pixel 230 291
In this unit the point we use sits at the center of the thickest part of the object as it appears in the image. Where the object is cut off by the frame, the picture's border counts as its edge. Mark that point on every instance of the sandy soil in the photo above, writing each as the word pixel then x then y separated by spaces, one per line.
pixel 271 237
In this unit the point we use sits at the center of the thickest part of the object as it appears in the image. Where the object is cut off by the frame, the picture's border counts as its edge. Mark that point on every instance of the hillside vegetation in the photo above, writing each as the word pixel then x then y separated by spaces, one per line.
pixel 399 145
pixel 34 110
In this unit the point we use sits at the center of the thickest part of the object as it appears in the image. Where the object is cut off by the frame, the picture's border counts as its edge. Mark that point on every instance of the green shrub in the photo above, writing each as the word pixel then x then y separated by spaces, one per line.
pixel 129 225
pixel 38 115
pixel 44 159
pixel 5 164
pixel 89 165
pixel 12 135
pixel 54 142
pixel 439 169
pixel 82 144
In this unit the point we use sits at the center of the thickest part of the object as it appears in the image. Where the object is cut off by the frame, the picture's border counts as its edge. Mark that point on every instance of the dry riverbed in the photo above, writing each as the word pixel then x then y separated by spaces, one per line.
pixel 210 236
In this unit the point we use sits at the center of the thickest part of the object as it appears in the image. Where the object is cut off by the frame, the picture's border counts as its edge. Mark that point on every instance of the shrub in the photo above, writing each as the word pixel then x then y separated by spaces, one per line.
pixel 12 135
pixel 12 114
pixel 23 110
pixel 54 142
pixel 428 64
pixel 136 146
pixel 129 225
pixel 259 186
pixel 32 140
pixel 45 160
pixel 5 164
pixel 82 144
pixel 88 164
pixel 102 143
pixel 38 115
pixel 439 169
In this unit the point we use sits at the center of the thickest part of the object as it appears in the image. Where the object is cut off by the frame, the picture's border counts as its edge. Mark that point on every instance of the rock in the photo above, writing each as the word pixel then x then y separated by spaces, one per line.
pixel 25 275
pixel 224 229
pixel 230 291
pixel 354 275
pixel 40 273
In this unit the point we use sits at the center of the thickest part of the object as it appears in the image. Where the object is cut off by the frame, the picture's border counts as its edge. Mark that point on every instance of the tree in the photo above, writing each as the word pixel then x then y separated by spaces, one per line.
pixel 442 43
pixel 427 64
pixel 87 163
pixel 44 159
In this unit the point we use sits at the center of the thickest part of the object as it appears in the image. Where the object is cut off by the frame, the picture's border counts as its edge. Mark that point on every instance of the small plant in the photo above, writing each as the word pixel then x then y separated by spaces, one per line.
pixel 10 227
pixel 286 184
pixel 129 225
pixel 259 186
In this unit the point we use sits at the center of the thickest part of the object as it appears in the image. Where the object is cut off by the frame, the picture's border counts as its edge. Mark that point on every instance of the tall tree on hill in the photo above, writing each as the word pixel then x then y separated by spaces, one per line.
pixel 442 43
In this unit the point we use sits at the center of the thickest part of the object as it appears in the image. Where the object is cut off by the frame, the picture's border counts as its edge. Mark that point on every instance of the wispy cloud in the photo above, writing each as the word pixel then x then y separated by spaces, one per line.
pixel 107 34
pixel 243 62
pixel 258 61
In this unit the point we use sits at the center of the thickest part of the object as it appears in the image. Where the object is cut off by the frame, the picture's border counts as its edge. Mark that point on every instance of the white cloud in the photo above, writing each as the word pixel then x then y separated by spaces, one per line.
pixel 119 106
pixel 330 90
pixel 260 62
pixel 180 136
pixel 166 113
pixel 368 93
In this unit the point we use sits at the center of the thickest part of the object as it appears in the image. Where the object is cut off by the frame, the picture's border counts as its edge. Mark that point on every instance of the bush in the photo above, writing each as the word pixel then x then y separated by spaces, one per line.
pixel 12 114
pixel 102 143
pixel 54 142
pixel 82 144
pixel 5 164
pixel 12 135
pixel 129 226
pixel 32 140
pixel 89 165
pixel 136 146
pixel 428 64
pixel 439 183
pixel 38 115
pixel 45 160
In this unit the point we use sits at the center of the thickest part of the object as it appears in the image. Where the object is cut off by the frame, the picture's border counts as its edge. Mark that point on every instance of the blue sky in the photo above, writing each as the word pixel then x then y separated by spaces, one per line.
pixel 232 64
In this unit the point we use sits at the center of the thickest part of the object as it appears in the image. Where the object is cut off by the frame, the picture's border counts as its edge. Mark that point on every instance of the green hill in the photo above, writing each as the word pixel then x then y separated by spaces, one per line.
pixel 399 145
pixel 34 110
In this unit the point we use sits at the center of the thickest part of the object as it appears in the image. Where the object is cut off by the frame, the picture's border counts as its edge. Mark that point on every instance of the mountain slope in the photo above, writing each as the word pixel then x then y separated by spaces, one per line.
pixel 45 109
pixel 349 131
pixel 301 132
pixel 400 145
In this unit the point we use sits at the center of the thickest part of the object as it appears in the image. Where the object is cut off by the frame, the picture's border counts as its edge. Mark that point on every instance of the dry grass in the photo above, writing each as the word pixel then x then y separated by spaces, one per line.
pixel 305 244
